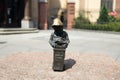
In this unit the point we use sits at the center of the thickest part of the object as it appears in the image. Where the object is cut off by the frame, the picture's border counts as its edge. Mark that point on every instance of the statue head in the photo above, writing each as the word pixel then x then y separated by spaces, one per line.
pixel 57 24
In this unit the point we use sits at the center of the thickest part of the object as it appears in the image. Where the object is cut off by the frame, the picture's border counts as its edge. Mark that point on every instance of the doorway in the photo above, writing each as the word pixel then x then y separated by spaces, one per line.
pixel 11 13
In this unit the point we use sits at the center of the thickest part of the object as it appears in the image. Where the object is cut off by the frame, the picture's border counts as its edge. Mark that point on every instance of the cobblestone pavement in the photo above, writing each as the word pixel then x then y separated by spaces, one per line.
pixel 38 66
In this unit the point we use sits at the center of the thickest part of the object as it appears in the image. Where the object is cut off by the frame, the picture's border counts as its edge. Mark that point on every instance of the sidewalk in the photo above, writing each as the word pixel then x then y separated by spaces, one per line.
pixel 81 41
pixel 90 55
pixel 38 66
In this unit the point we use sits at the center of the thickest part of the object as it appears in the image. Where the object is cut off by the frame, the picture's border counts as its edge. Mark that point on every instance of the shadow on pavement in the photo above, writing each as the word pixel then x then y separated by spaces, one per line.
pixel 69 63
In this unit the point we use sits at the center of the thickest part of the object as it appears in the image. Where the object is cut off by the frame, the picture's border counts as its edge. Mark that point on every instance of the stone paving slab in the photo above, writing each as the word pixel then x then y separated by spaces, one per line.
pixel 38 66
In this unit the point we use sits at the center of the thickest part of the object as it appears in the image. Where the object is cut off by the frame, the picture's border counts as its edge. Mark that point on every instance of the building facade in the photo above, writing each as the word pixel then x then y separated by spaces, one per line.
pixel 38 13
pixel 117 7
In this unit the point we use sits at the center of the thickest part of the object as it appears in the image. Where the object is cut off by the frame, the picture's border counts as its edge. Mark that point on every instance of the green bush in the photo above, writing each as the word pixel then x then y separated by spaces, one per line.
pixel 112 19
pixel 118 19
pixel 81 19
pixel 115 26
pixel 104 17
pixel 111 24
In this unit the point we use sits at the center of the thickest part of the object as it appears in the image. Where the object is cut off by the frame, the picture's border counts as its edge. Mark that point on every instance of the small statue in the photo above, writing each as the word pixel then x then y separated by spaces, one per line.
pixel 59 41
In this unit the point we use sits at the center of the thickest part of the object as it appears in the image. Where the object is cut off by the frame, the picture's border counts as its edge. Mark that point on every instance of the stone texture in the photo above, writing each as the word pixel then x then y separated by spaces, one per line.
pixel 38 66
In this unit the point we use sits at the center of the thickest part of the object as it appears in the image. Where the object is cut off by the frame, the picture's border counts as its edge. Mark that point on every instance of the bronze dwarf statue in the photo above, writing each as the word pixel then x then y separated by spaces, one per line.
pixel 59 40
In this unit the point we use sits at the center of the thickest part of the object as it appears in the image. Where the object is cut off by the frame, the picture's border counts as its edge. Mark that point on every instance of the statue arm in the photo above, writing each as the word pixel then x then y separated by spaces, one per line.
pixel 51 41
pixel 66 39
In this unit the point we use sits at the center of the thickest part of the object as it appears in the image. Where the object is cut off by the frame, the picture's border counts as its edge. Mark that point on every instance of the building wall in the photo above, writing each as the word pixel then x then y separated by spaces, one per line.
pixel 63 4
pixel 82 5
pixel 77 7
pixel 54 9
pixel 114 4
pixel 118 7
pixel 34 11
pixel 91 8
pixel 117 4
pixel 55 5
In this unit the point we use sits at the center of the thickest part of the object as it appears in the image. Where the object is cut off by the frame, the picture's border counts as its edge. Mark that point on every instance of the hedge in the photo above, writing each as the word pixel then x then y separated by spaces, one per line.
pixel 115 26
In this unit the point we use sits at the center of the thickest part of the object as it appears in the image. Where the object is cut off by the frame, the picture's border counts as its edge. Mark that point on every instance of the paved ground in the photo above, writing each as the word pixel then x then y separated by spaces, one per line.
pixel 82 41
pixel 38 66
pixel 91 55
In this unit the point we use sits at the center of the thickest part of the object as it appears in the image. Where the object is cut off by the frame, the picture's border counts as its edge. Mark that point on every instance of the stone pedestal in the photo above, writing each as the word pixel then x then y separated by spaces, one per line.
pixel 43 6
pixel 58 60
pixel 70 13
pixel 27 24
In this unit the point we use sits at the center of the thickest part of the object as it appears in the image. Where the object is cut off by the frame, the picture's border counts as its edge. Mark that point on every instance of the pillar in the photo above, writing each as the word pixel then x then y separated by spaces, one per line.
pixel 70 13
pixel 42 13
pixel 117 7
pixel 5 15
pixel 27 22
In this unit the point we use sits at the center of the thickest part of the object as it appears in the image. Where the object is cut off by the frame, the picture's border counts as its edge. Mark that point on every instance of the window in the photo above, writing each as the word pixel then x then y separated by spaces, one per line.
pixel 108 4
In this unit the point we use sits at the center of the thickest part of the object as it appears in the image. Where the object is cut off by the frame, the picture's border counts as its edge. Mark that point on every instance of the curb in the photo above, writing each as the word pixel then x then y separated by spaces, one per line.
pixel 10 31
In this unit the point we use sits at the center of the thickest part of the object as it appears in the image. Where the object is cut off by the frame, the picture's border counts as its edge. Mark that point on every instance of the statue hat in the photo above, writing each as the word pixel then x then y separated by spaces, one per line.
pixel 57 22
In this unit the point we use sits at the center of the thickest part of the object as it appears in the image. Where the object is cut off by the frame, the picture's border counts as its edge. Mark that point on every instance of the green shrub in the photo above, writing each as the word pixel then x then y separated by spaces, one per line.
pixel 115 26
pixel 81 19
pixel 118 19
pixel 104 17
pixel 110 24
pixel 112 19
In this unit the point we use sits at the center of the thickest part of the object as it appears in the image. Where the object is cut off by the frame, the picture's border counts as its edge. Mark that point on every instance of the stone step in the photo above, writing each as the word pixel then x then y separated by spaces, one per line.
pixel 6 31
